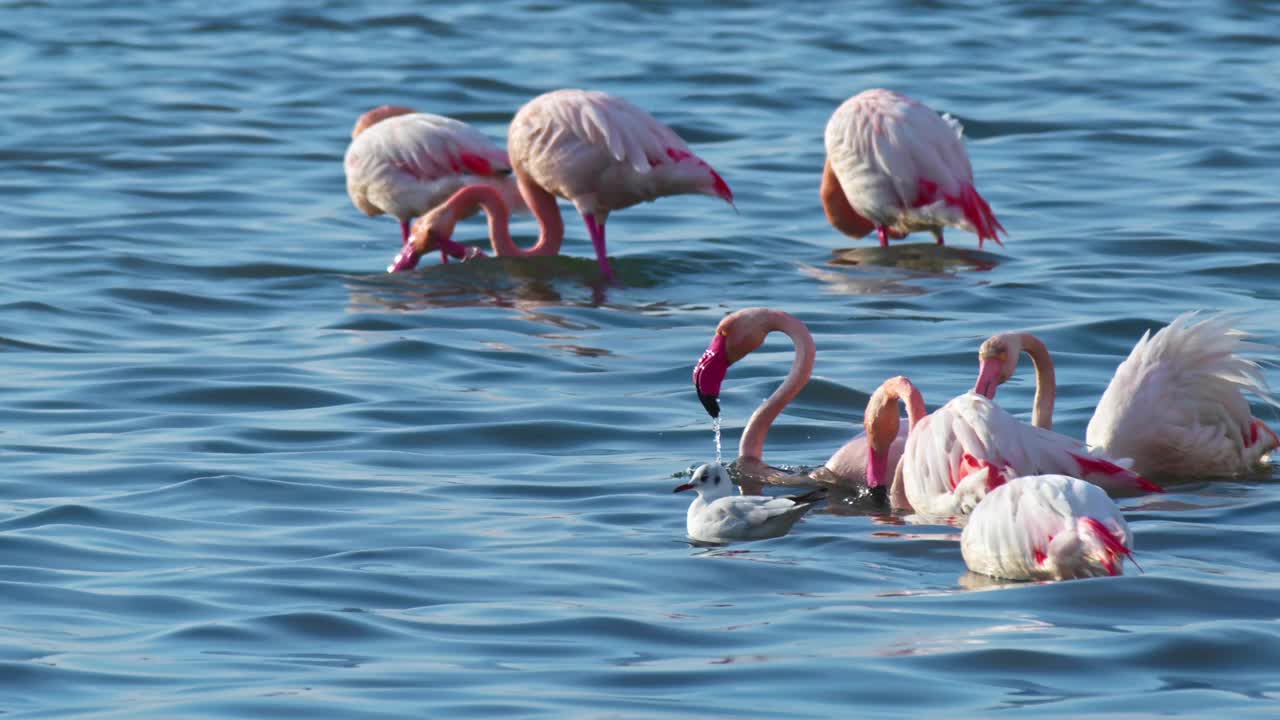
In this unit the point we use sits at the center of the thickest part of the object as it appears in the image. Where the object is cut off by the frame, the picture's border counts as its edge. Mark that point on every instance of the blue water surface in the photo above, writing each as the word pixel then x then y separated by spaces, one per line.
pixel 250 474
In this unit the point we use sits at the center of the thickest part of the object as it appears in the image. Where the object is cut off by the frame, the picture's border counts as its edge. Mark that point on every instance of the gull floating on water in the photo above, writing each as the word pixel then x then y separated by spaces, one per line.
pixel 718 514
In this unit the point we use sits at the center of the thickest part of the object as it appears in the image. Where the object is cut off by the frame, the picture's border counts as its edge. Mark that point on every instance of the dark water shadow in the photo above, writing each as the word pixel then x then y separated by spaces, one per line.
pixel 920 257
pixel 506 282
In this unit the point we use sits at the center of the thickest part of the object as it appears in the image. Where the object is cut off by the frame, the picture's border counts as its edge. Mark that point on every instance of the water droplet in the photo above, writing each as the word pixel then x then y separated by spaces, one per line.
pixel 715 426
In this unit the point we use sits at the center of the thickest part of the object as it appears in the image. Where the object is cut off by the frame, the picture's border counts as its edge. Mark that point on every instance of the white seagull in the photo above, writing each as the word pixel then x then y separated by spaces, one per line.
pixel 718 514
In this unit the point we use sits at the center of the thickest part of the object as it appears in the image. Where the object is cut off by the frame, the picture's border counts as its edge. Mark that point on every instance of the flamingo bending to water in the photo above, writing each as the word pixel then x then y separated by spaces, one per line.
pixel 970 446
pixel 1176 405
pixel 1046 527
pixel 601 153
pixel 737 336
pixel 895 166
pixel 435 229
pixel 404 163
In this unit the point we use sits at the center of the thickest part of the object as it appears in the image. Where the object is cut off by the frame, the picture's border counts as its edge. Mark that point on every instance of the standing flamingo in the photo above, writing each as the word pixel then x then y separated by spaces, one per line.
pixel 968 447
pixel 1176 406
pixel 896 166
pixel 1046 527
pixel 404 163
pixel 737 336
pixel 601 153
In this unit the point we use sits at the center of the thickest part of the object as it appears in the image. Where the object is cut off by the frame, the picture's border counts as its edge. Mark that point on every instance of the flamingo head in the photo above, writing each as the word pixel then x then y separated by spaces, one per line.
pixel 431 231
pixel 377 115
pixel 881 422
pixel 737 336
pixel 997 361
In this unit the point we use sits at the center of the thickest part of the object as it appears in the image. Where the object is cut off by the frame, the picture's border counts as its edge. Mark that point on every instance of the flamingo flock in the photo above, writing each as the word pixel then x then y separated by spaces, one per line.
pixel 1035 504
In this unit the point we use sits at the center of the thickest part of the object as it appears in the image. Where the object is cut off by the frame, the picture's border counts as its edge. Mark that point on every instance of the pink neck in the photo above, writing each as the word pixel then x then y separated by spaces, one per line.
pixel 550 225
pixel 1046 381
pixel 499 221
pixel 914 400
pixel 752 443
pixel 902 389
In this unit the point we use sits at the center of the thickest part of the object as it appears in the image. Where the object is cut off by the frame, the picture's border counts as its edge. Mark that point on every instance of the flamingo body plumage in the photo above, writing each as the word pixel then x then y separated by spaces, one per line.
pixel 1046 527
pixel 404 163
pixel 896 166
pixel 601 153
pixel 968 447
pixel 1176 404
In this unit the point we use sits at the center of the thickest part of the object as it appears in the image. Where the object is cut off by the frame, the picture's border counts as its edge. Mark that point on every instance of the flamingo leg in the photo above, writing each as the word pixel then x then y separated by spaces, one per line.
pixel 883 232
pixel 596 229
pixel 404 233
pixel 938 234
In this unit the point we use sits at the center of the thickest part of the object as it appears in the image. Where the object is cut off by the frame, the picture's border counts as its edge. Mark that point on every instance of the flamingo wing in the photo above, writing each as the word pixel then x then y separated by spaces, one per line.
pixel 604 153
pixel 944 450
pixel 408 164
pixel 970 446
pixel 1046 527
pixel 586 124
pixel 1176 404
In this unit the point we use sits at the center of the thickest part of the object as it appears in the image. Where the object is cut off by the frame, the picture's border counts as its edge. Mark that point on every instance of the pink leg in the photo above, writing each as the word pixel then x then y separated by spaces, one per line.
pixel 404 233
pixel 597 239
pixel 444 255
pixel 938 234
pixel 883 232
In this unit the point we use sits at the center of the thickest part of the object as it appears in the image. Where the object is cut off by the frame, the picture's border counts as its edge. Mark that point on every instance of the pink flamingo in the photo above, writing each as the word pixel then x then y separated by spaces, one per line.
pixel 601 153
pixel 1176 405
pixel 1046 527
pixel 404 163
pixel 738 335
pixel 968 447
pixel 896 166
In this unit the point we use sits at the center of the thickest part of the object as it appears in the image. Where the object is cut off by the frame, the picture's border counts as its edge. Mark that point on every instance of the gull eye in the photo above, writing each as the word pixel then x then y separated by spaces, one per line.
pixel 717 479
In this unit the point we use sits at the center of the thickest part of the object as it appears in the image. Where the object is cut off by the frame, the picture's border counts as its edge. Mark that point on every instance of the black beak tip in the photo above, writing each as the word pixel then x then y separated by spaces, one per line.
pixel 879 493
pixel 711 403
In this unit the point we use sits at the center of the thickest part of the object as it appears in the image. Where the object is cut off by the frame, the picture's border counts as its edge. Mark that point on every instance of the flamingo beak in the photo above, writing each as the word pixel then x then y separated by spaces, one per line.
pixel 877 467
pixel 682 488
pixel 406 259
pixel 709 373
pixel 988 377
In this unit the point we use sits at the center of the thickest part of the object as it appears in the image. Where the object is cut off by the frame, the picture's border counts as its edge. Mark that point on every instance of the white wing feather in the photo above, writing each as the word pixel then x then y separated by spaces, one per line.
pixel 1176 404
pixel 1046 527
pixel 604 153
pixel 971 424
pixel 408 164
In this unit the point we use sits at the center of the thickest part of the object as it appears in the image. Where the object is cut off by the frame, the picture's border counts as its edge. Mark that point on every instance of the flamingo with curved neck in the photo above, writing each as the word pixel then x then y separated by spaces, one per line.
pixel 997 361
pixel 738 335
pixel 436 227
pixel 882 424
